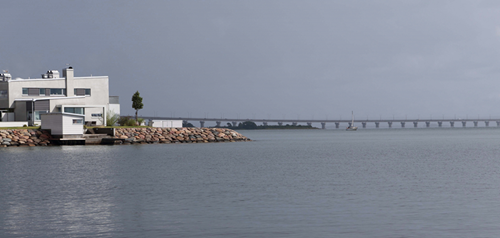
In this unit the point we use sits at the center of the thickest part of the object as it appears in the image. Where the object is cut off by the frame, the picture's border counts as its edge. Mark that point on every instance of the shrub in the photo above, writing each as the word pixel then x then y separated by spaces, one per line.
pixel 131 122
pixel 112 118
pixel 140 121
pixel 122 121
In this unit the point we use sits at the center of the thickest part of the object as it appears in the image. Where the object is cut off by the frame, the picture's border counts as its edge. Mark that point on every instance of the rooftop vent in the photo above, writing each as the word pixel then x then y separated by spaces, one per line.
pixel 5 76
pixel 51 74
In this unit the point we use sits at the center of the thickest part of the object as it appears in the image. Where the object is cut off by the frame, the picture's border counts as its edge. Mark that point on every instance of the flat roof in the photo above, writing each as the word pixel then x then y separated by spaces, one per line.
pixel 51 79
pixel 63 113
pixel 47 98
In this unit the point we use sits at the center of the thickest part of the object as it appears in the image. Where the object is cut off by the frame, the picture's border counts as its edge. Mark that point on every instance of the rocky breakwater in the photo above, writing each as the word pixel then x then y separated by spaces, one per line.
pixel 24 137
pixel 177 135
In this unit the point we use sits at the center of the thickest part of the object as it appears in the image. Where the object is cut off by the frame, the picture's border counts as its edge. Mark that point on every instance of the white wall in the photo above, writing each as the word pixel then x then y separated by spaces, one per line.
pixel 62 124
pixel 167 123
pixel 115 108
pixel 72 129
pixel 14 124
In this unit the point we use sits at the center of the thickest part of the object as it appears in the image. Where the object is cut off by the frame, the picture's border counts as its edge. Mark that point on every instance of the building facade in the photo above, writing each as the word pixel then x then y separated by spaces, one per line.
pixel 27 99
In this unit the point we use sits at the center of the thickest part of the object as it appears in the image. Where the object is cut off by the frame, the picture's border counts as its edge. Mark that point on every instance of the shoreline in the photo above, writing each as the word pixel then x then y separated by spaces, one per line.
pixel 177 135
pixel 119 136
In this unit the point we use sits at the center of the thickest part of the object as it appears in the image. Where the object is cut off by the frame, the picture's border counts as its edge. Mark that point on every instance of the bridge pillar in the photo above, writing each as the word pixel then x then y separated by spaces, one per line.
pixel 202 123
pixel 487 123
pixel 440 123
pixel 294 123
pixel 337 125
pixel 323 125
pixel 403 124
pixel 280 123
pixel 427 124
pixel 452 123
pixel 498 123
pixel 235 123
pixel 475 123
pixel 415 124
pixel 309 123
pixel 377 124
pixel 264 123
pixel 463 123
pixel 390 124
pixel 364 124
pixel 218 123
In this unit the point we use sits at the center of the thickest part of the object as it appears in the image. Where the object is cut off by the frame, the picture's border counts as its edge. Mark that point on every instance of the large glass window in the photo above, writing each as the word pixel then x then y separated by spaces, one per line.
pixel 57 91
pixel 37 115
pixel 77 121
pixel 25 91
pixel 42 92
pixel 76 110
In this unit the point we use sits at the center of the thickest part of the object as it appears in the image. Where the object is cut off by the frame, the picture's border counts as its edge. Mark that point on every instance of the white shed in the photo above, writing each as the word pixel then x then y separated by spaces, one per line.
pixel 63 125
pixel 167 123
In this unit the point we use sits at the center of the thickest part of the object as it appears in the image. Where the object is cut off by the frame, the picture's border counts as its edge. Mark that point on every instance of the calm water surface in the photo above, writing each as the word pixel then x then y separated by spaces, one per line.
pixel 286 183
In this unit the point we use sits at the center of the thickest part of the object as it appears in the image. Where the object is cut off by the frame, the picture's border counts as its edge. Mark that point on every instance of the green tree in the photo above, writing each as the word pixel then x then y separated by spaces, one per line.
pixel 137 103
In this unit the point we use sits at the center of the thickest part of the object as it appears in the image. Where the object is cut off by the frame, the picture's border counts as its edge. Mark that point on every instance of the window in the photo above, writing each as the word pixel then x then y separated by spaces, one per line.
pixel 42 92
pixel 96 114
pixel 78 121
pixel 82 91
pixel 25 91
pixel 37 115
pixel 76 110
pixel 57 91
pixel 4 94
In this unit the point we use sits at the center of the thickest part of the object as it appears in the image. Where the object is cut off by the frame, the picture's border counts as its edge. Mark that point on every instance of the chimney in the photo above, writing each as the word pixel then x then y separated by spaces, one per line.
pixel 68 74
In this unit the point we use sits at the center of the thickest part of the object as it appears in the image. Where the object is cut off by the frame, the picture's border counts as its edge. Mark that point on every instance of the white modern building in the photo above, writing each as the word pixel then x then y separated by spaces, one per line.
pixel 63 125
pixel 25 99
pixel 166 123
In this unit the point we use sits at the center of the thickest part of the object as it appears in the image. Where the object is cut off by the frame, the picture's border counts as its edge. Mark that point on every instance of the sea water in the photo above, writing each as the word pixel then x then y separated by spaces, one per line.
pixel 285 183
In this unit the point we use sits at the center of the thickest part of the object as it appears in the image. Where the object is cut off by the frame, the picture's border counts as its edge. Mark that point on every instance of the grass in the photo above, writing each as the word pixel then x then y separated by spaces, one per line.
pixel 91 127
pixel 16 128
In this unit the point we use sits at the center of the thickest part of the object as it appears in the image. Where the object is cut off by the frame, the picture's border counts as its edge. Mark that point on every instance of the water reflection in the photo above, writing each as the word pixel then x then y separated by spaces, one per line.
pixel 384 183
pixel 63 187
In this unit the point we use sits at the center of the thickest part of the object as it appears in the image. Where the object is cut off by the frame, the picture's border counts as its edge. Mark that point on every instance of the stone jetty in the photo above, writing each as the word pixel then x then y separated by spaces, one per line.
pixel 24 137
pixel 150 135
pixel 177 135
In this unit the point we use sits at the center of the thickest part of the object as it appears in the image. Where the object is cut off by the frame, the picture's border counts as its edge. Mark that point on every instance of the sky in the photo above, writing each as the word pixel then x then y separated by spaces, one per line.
pixel 269 59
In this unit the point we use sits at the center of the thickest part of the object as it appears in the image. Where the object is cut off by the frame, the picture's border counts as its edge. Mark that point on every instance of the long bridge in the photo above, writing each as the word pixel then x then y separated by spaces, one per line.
pixel 402 122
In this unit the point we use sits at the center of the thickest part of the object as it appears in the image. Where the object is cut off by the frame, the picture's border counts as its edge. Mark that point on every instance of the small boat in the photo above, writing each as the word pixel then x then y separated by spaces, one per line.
pixel 351 127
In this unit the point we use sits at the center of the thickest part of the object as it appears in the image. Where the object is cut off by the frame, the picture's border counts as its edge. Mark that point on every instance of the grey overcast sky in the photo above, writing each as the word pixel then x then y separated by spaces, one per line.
pixel 269 58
